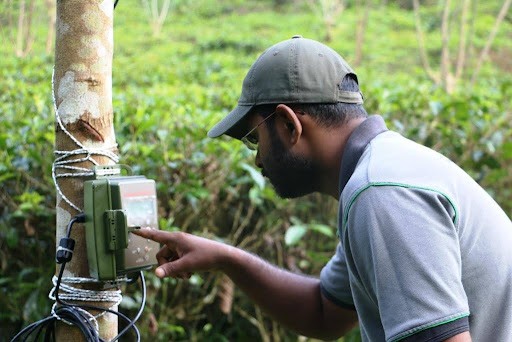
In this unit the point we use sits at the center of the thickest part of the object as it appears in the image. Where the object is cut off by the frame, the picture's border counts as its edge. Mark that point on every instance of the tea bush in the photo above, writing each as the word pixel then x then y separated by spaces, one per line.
pixel 167 93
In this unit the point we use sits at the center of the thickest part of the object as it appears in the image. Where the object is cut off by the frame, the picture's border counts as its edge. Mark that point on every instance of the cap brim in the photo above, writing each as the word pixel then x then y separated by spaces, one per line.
pixel 232 125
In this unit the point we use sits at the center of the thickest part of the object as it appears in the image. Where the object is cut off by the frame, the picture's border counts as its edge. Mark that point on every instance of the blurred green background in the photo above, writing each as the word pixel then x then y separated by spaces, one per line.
pixel 172 80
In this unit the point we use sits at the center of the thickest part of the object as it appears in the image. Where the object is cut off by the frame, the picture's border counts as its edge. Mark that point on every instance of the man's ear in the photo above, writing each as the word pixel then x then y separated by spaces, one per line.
pixel 292 124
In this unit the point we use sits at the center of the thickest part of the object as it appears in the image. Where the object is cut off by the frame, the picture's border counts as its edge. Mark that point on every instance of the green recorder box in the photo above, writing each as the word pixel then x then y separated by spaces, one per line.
pixel 114 206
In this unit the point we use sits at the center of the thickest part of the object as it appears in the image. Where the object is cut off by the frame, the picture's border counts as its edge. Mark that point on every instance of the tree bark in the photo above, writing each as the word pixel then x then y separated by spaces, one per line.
pixel 463 34
pixel 445 52
pixel 50 37
pixel 8 26
pixel 483 54
pixel 29 34
pixel 421 44
pixel 156 17
pixel 362 21
pixel 24 35
pixel 19 35
pixel 82 90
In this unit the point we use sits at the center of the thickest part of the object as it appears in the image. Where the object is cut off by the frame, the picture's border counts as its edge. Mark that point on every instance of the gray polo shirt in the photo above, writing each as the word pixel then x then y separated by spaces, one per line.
pixel 425 253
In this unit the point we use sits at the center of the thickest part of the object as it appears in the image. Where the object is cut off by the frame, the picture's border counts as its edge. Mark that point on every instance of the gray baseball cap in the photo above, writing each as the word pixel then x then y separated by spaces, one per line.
pixel 297 70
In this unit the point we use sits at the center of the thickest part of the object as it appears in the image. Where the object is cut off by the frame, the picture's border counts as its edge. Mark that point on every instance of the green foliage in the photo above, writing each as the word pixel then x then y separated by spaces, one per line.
pixel 472 129
pixel 167 93
pixel 298 230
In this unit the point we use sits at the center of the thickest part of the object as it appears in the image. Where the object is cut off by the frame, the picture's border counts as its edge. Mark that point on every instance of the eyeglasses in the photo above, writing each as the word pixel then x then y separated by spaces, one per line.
pixel 251 138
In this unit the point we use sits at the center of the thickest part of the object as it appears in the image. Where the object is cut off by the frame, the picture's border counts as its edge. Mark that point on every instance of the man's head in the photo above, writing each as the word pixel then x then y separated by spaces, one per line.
pixel 295 71
pixel 294 89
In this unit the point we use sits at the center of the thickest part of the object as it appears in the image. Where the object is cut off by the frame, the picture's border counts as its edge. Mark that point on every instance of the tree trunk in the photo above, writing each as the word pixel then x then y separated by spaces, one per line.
pixel 29 32
pixel 82 90
pixel 446 77
pixel 9 26
pixel 156 16
pixel 483 54
pixel 421 44
pixel 50 37
pixel 25 36
pixel 463 34
pixel 19 35
pixel 363 9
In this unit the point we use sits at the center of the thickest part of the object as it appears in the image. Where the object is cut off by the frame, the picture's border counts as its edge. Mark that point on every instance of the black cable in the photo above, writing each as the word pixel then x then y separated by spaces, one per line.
pixel 115 3
pixel 131 322
pixel 70 312
pixel 142 304
pixel 80 218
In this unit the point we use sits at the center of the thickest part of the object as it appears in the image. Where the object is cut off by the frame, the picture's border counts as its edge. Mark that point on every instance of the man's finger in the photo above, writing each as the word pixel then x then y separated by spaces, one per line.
pixel 170 269
pixel 165 255
pixel 154 234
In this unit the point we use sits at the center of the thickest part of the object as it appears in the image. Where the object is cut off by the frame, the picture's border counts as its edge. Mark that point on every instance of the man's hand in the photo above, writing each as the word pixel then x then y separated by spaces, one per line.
pixel 182 253
pixel 277 291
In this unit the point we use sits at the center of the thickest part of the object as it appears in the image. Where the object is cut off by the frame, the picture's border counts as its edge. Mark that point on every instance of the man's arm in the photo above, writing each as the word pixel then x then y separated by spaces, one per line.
pixel 463 337
pixel 293 300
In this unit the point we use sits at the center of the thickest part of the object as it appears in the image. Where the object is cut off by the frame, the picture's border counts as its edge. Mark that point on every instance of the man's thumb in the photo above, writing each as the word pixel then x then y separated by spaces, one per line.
pixel 170 269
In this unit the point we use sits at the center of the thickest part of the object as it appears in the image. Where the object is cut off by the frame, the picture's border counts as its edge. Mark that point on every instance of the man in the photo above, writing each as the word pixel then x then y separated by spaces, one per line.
pixel 424 254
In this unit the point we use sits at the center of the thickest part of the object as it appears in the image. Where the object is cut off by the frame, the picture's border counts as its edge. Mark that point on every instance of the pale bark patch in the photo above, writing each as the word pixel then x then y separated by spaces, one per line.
pixel 100 67
pixel 92 20
pixel 109 317
pixel 62 28
pixel 92 145
pixel 78 67
pixel 62 214
pixel 76 99
pixel 92 47
pixel 68 274
pixel 107 8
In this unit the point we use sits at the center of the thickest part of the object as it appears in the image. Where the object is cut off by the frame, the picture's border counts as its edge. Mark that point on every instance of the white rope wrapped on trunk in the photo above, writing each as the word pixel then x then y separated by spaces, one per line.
pixel 63 167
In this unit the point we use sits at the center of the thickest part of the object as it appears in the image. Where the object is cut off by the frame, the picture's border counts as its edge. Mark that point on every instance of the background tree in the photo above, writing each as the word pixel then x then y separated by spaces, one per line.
pixel 52 17
pixel 25 35
pixel 168 90
pixel 452 71
pixel 485 51
pixel 363 10
pixel 157 14
pixel 20 18
pixel 329 11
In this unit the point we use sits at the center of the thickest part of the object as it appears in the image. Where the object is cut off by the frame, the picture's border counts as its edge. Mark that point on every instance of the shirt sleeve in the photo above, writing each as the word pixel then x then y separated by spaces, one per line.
pixel 334 281
pixel 404 246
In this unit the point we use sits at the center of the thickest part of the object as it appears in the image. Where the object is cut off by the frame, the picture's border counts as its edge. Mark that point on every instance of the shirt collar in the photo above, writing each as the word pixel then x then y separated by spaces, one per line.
pixel 356 144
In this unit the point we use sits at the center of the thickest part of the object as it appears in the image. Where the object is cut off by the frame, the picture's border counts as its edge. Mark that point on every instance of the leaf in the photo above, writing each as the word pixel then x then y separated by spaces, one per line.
pixel 129 303
pixel 196 280
pixel 30 305
pixel 322 229
pixel 435 107
pixel 255 196
pixel 255 175
pixel 507 150
pixel 6 176
pixel 294 234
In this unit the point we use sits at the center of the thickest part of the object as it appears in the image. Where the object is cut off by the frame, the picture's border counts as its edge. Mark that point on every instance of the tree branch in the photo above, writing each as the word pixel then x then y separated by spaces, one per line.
pixel 421 43
pixel 490 39
pixel 463 34
pixel 445 52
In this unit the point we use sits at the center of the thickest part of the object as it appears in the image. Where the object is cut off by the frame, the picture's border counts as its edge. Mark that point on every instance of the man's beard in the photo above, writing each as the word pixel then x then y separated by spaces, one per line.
pixel 291 175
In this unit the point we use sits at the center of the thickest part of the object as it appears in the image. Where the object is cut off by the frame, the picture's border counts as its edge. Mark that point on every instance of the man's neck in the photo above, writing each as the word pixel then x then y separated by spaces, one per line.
pixel 329 151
